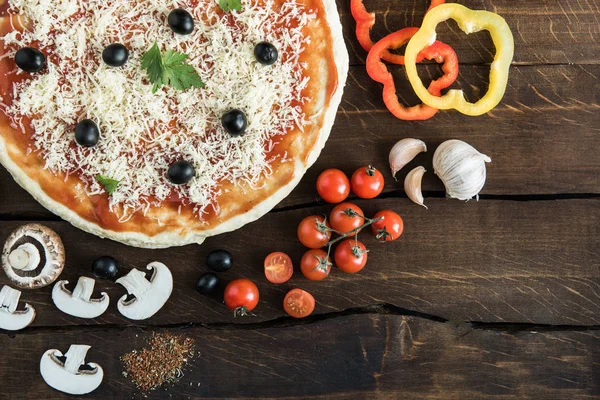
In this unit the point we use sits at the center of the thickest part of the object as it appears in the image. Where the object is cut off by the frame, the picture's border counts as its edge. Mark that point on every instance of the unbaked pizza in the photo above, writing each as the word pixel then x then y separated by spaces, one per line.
pixel 159 123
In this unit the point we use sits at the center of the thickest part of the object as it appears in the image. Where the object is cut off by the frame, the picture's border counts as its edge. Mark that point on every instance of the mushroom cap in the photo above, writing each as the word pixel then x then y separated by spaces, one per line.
pixel 56 375
pixel 51 260
pixel 150 296
pixel 12 319
pixel 78 303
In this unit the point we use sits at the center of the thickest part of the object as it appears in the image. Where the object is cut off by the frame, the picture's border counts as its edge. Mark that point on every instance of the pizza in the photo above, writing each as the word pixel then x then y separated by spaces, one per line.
pixel 159 123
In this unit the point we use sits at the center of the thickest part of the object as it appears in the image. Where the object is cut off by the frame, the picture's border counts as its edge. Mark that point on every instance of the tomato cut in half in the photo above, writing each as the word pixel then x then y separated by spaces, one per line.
pixel 278 267
pixel 299 303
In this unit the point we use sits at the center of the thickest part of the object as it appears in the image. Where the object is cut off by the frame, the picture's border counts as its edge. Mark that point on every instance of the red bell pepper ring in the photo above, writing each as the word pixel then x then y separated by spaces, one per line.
pixel 378 71
pixel 364 23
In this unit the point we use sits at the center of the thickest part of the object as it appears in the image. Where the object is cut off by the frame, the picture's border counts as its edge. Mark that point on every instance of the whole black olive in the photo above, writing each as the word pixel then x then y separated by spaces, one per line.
pixel 30 59
pixel 219 260
pixel 87 133
pixel 266 53
pixel 105 268
pixel 208 283
pixel 115 55
pixel 181 21
pixel 181 172
pixel 235 122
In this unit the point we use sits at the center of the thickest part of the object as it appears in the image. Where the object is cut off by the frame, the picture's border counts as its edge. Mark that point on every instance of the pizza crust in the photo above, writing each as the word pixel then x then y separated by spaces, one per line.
pixel 167 238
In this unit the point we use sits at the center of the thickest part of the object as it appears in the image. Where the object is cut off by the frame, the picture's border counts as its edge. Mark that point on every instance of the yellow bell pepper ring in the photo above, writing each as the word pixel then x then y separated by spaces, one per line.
pixel 469 21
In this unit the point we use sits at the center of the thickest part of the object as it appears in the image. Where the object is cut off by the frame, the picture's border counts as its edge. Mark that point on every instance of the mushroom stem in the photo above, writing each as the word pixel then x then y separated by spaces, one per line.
pixel 9 298
pixel 84 288
pixel 135 282
pixel 75 357
pixel 25 257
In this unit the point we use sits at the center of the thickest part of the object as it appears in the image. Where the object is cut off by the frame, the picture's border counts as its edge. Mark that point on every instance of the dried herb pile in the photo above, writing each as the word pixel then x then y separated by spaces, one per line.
pixel 161 362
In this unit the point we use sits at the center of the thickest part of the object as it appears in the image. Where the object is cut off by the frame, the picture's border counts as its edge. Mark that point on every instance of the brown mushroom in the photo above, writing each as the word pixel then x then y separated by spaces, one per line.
pixel 33 256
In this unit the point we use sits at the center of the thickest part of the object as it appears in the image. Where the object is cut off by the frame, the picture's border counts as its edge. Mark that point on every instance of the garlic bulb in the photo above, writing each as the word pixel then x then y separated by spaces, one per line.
pixel 404 152
pixel 412 185
pixel 461 167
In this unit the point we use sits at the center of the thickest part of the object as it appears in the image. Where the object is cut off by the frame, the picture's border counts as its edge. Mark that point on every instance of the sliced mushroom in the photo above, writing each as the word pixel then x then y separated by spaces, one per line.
pixel 12 319
pixel 79 303
pixel 150 295
pixel 68 376
pixel 33 256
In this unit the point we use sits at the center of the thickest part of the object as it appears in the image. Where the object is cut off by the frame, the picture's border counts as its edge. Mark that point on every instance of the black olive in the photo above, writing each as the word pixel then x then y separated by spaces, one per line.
pixel 219 260
pixel 30 59
pixel 87 133
pixel 181 172
pixel 115 55
pixel 181 21
pixel 208 283
pixel 105 267
pixel 266 53
pixel 235 122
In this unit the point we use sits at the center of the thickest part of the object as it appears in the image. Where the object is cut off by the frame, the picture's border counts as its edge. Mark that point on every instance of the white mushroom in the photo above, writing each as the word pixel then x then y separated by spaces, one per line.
pixel 79 303
pixel 150 295
pixel 12 319
pixel 68 377
pixel 33 256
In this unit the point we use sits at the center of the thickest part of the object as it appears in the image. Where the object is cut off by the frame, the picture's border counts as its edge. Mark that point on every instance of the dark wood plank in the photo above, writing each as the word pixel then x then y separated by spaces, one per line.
pixel 496 261
pixel 545 31
pixel 366 356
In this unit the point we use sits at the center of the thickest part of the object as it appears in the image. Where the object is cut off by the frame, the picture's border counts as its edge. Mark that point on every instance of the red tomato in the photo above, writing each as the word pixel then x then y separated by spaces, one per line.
pixel 310 234
pixel 241 296
pixel 278 267
pixel 367 182
pixel 299 303
pixel 342 222
pixel 333 186
pixel 350 256
pixel 389 228
pixel 315 265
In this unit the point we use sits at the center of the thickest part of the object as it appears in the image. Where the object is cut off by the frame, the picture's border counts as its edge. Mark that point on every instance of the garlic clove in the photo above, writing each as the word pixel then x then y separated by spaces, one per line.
pixel 412 185
pixel 404 152
pixel 461 168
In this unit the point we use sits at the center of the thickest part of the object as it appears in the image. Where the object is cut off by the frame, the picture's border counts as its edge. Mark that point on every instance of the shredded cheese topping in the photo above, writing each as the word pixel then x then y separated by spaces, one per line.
pixel 143 133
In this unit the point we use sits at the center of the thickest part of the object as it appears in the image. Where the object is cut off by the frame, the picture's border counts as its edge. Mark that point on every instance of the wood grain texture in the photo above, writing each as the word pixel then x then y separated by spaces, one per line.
pixel 545 31
pixel 353 357
pixel 495 261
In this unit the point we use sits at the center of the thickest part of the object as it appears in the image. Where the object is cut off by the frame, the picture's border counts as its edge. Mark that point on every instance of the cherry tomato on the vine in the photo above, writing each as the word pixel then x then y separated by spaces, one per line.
pixel 333 186
pixel 241 295
pixel 367 182
pixel 278 267
pixel 313 233
pixel 345 217
pixel 299 303
pixel 315 265
pixel 389 228
pixel 350 256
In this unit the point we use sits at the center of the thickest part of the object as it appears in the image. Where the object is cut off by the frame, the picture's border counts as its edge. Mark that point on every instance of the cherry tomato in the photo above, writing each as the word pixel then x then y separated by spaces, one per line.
pixel 315 265
pixel 342 222
pixel 333 186
pixel 367 182
pixel 299 303
pixel 350 256
pixel 241 296
pixel 278 267
pixel 389 228
pixel 311 233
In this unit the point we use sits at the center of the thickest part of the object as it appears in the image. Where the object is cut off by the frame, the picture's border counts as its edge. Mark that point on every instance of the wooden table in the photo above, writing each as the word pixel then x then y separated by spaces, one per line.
pixel 496 298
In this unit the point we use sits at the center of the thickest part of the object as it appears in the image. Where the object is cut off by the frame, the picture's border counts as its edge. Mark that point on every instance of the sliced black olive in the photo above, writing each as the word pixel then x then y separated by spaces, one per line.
pixel 235 122
pixel 219 260
pixel 105 268
pixel 115 55
pixel 181 21
pixel 266 53
pixel 30 59
pixel 181 172
pixel 208 283
pixel 87 133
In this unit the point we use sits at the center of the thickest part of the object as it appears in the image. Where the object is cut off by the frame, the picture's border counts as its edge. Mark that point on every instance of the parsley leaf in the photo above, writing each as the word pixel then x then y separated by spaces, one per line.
pixel 229 5
pixel 110 185
pixel 170 69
